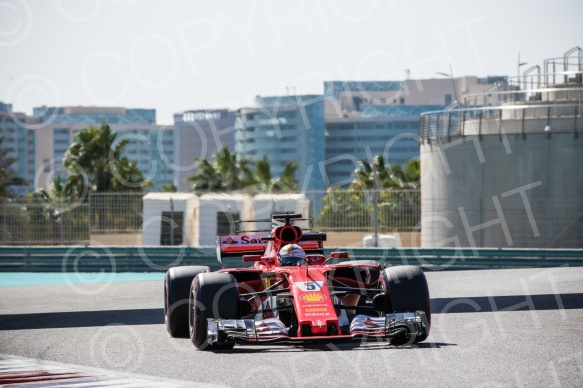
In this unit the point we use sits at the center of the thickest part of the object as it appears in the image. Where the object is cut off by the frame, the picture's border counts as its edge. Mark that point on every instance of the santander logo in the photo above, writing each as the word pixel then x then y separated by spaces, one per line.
pixel 230 240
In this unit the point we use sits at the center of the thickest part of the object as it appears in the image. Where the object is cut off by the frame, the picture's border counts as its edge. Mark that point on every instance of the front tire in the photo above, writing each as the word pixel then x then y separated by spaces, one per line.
pixel 213 295
pixel 406 289
pixel 176 291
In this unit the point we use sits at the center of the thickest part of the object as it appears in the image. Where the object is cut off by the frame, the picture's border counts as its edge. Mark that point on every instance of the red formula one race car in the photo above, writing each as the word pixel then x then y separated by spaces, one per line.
pixel 293 293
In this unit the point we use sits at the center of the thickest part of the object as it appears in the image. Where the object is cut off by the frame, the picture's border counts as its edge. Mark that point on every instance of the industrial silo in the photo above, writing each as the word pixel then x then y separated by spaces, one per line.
pixel 502 169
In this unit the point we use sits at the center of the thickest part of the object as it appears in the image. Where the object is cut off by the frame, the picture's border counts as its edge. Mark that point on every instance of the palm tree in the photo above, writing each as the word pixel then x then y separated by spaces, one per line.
pixel 95 164
pixel 286 182
pixel 8 176
pixel 263 174
pixel 409 177
pixel 397 194
pixel 169 188
pixel 236 173
pixel 389 177
pixel 364 175
pixel 225 173
pixel 207 179
pixel 228 173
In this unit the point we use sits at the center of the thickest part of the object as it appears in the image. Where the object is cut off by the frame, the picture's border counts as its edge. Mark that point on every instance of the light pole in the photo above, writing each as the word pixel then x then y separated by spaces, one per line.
pixel 375 197
pixel 450 75
pixel 520 64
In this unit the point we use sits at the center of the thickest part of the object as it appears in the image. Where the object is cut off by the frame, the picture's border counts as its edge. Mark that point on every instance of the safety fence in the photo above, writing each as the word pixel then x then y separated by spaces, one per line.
pixel 347 216
pixel 108 259
pixel 45 222
pixel 362 211
pixel 117 218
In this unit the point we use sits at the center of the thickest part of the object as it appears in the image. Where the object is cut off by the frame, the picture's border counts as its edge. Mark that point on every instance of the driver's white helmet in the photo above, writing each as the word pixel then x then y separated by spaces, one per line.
pixel 292 254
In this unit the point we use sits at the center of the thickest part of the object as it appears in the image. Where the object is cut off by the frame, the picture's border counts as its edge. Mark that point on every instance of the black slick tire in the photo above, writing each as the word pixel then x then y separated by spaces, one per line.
pixel 213 295
pixel 176 293
pixel 406 289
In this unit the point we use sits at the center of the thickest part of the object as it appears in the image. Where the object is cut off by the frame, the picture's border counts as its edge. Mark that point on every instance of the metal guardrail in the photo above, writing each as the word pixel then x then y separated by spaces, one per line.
pixel 501 120
pixel 157 259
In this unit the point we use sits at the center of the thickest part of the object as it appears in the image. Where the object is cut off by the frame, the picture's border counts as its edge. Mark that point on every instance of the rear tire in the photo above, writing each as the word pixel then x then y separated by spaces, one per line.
pixel 406 289
pixel 176 292
pixel 213 295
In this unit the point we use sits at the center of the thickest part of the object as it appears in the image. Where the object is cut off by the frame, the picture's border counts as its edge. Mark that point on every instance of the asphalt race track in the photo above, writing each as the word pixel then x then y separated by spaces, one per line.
pixel 521 327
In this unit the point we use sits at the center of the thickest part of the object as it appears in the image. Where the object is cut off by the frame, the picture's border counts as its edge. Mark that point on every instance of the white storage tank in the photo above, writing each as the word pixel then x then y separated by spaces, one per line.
pixel 507 175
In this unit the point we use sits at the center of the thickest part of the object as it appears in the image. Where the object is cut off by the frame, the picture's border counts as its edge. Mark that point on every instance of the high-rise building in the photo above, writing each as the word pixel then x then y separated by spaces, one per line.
pixel 285 128
pixel 151 145
pixel 361 120
pixel 199 134
pixel 19 143
pixel 366 119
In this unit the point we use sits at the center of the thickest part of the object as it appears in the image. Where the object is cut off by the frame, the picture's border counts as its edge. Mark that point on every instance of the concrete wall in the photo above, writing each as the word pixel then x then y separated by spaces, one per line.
pixel 130 239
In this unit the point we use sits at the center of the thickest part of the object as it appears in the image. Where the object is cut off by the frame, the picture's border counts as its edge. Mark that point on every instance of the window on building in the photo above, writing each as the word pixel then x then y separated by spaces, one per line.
pixel 402 100
pixel 447 99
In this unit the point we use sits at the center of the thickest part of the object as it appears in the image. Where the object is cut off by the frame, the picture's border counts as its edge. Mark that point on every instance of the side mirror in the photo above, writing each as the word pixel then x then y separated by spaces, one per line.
pixel 315 259
pixel 251 258
pixel 338 255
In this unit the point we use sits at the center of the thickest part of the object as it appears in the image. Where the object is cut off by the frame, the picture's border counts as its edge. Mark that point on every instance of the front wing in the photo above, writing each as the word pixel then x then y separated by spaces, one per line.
pixel 272 330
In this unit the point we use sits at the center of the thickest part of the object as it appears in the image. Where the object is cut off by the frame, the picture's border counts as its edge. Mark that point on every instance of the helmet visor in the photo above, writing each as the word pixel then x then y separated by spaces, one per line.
pixel 292 260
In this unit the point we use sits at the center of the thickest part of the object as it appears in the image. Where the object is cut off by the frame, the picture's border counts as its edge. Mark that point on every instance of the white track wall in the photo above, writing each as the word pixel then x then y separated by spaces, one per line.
pixel 156 203
pixel 200 213
pixel 212 204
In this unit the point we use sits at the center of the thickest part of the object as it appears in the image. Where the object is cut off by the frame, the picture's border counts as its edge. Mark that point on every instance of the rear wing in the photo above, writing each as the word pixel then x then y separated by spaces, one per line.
pixel 255 244
pixel 239 245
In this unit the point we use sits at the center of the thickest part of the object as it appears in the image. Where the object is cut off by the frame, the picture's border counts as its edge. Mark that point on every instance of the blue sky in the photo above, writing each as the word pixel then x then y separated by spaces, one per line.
pixel 179 55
